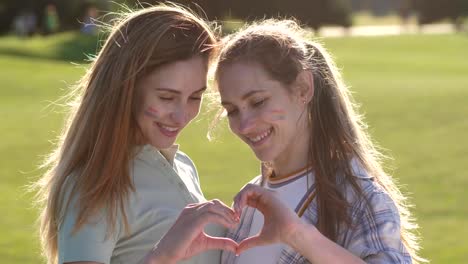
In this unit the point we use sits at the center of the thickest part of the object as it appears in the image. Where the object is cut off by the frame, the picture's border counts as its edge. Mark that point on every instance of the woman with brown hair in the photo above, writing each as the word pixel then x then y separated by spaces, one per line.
pixel 116 182
pixel 323 196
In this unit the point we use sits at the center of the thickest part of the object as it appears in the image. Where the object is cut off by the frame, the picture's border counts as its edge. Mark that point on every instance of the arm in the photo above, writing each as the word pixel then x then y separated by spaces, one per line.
pixel 92 243
pixel 317 248
pixel 283 225
pixel 376 237
pixel 186 237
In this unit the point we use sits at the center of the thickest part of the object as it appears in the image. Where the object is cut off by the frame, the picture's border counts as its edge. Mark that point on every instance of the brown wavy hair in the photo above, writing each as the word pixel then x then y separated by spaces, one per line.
pixel 337 132
pixel 92 158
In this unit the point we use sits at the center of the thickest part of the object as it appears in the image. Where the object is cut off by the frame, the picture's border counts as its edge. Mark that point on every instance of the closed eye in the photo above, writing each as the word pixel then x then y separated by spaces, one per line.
pixel 260 102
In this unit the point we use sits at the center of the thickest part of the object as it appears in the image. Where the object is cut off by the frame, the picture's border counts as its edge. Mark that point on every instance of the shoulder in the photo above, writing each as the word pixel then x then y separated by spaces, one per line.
pixel 186 166
pixel 373 196
pixel 182 159
pixel 95 238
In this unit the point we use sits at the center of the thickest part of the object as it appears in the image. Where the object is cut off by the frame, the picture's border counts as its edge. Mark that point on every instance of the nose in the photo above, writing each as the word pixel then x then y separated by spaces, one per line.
pixel 247 123
pixel 180 115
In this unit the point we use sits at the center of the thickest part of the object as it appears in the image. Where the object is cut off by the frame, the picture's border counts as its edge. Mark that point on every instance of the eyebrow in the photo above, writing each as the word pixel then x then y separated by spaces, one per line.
pixel 178 92
pixel 245 96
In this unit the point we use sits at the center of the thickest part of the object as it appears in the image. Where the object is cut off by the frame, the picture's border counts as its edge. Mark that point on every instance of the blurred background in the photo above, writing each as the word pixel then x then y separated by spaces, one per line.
pixel 406 62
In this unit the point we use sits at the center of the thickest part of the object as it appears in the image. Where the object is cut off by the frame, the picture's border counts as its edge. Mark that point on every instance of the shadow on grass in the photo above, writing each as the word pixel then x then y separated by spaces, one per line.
pixel 72 48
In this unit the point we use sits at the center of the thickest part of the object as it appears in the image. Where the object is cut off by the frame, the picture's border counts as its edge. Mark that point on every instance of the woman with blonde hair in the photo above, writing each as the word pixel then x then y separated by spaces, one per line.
pixel 323 196
pixel 116 182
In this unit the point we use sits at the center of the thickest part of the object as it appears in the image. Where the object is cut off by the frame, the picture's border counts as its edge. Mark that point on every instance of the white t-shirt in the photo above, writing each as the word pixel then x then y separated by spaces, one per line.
pixel 290 189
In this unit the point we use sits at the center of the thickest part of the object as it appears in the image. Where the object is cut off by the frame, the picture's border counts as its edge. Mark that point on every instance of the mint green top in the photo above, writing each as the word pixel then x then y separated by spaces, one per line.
pixel 165 182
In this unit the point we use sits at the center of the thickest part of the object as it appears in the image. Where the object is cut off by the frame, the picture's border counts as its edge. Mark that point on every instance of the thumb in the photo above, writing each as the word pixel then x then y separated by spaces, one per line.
pixel 249 243
pixel 221 243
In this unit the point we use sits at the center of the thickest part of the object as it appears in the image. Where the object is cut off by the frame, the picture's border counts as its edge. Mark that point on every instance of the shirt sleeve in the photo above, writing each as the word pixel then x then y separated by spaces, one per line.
pixel 376 238
pixel 91 242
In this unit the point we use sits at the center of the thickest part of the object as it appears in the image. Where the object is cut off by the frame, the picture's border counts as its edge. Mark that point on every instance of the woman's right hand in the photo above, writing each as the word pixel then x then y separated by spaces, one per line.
pixel 186 238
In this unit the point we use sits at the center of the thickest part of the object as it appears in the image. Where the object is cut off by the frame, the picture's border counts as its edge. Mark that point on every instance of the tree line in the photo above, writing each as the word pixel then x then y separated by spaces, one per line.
pixel 312 13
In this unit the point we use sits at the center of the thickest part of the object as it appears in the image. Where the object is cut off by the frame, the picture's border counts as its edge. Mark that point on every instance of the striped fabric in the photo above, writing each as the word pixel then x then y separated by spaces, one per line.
pixel 375 237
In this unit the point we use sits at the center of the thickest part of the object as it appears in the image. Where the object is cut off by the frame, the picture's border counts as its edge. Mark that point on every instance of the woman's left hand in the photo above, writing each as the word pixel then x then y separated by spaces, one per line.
pixel 280 222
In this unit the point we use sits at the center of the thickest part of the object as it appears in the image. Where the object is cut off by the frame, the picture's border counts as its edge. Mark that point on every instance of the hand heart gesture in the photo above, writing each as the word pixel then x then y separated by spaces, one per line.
pixel 187 238
pixel 280 222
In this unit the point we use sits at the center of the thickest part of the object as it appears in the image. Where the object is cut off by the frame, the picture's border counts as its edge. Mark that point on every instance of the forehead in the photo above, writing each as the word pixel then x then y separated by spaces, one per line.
pixel 240 78
pixel 183 76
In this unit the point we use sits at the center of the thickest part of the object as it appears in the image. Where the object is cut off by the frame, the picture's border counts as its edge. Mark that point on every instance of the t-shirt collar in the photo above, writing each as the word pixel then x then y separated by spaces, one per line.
pixel 167 153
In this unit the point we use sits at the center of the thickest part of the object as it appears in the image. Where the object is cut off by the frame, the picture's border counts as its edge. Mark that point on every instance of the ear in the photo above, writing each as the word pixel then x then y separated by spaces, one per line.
pixel 305 86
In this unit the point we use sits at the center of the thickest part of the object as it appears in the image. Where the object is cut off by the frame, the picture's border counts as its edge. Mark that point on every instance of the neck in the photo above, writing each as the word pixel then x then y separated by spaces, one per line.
pixel 294 157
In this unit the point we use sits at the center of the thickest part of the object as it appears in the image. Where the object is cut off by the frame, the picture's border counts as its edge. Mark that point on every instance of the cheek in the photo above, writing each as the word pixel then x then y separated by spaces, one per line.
pixel 275 115
pixel 193 110
pixel 151 112
pixel 233 124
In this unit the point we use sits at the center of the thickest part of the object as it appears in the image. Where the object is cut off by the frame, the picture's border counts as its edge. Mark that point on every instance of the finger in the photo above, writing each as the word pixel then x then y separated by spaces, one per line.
pixel 222 243
pixel 219 205
pixel 191 209
pixel 193 206
pixel 240 199
pixel 263 199
pixel 250 191
pixel 214 217
pixel 219 209
pixel 249 243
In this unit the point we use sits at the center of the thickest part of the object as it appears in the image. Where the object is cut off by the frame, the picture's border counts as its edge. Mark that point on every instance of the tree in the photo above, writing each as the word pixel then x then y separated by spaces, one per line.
pixel 430 11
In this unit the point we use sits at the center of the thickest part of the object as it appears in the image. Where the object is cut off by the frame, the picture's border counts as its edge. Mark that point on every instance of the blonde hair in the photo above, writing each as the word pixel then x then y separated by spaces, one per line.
pixel 337 132
pixel 92 158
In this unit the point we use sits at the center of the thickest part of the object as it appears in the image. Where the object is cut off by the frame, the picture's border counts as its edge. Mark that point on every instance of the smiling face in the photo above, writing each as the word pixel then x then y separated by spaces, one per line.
pixel 170 98
pixel 263 112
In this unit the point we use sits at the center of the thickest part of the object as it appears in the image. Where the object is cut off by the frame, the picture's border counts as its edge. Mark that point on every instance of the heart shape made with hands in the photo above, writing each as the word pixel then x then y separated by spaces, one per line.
pixel 187 236
pixel 280 222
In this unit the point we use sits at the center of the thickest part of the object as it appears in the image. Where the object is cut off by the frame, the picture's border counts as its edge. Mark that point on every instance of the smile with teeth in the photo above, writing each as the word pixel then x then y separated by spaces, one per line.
pixel 258 138
pixel 168 131
pixel 171 129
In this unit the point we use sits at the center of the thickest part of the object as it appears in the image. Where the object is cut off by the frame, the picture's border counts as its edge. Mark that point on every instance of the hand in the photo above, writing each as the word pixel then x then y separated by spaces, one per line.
pixel 186 237
pixel 280 222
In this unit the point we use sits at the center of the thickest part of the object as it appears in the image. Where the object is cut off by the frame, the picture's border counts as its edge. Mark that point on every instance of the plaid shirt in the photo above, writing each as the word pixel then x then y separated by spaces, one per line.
pixel 375 237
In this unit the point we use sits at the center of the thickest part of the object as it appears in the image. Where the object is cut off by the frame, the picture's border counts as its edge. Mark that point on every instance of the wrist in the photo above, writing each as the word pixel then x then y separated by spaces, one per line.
pixel 301 233
pixel 158 257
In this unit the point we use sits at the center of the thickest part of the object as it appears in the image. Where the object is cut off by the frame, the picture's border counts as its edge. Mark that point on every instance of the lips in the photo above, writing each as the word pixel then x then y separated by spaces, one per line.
pixel 168 131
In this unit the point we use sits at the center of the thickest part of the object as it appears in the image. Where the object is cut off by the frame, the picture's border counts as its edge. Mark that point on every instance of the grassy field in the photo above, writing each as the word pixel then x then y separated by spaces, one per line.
pixel 413 91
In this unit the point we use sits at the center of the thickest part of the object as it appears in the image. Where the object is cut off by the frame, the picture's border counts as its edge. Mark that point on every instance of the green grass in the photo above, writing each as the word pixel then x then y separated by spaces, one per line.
pixel 413 91
pixel 67 46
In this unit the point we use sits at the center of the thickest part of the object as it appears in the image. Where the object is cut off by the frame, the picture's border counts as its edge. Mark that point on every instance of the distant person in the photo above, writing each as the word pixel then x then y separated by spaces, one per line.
pixel 89 26
pixel 31 22
pixel 323 196
pixel 52 22
pixel 25 23
pixel 116 181
pixel 20 26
